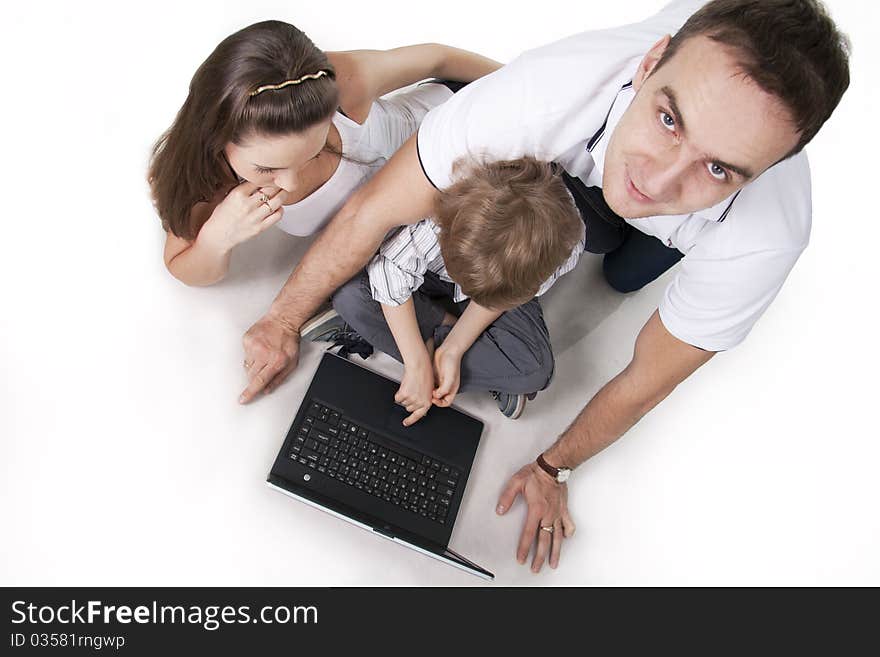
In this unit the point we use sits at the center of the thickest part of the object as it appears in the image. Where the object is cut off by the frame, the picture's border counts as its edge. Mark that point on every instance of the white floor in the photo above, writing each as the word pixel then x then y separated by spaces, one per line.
pixel 126 460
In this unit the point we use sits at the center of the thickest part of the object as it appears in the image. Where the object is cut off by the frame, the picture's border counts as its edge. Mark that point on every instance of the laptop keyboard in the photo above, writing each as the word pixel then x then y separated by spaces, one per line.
pixel 337 446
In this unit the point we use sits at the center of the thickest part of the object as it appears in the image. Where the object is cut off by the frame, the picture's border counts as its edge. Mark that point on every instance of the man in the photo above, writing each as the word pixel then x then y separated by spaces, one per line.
pixel 695 140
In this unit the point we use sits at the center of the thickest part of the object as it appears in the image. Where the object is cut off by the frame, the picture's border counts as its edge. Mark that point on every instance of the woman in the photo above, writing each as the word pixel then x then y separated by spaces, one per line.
pixel 276 131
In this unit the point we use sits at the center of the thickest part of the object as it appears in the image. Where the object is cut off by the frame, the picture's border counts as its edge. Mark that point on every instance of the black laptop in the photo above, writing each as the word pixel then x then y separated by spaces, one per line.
pixel 348 454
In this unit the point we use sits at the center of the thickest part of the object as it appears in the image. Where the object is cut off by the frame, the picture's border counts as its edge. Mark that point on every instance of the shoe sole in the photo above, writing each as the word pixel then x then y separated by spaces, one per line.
pixel 311 329
pixel 518 409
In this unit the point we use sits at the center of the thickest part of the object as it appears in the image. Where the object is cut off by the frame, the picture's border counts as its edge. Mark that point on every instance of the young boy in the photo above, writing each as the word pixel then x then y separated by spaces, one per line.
pixel 489 271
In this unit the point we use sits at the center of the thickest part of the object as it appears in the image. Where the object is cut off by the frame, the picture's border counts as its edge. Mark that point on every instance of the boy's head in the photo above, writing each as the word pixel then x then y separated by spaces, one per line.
pixel 505 227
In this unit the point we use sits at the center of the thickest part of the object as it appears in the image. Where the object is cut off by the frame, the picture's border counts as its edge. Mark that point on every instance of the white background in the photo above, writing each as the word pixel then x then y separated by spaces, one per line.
pixel 127 461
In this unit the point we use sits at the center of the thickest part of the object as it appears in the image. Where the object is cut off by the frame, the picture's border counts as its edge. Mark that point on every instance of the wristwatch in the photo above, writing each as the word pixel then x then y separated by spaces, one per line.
pixel 559 474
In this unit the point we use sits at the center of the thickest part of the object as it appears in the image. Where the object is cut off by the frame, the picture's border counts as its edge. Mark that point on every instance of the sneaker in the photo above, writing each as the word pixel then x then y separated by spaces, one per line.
pixel 323 326
pixel 510 405
pixel 328 326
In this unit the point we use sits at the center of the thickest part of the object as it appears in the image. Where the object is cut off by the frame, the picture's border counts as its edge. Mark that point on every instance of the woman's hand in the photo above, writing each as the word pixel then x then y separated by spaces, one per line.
pixel 415 389
pixel 447 373
pixel 246 212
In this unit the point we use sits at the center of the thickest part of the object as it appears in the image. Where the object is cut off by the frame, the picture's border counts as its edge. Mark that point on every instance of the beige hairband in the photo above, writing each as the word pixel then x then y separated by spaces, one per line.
pixel 287 83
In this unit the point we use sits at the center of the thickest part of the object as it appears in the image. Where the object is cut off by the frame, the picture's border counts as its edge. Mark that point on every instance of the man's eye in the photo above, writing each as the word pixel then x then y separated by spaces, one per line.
pixel 667 121
pixel 716 171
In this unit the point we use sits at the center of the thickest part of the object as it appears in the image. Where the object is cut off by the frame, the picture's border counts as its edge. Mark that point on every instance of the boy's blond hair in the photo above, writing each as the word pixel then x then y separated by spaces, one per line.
pixel 505 227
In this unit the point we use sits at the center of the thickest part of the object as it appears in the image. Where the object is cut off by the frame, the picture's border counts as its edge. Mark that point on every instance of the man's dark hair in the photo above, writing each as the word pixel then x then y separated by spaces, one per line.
pixel 790 48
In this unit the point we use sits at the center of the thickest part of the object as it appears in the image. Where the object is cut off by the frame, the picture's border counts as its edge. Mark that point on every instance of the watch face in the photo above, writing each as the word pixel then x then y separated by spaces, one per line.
pixel 562 475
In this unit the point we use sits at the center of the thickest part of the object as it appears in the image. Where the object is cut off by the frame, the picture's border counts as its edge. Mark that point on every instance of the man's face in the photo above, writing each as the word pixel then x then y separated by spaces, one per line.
pixel 697 130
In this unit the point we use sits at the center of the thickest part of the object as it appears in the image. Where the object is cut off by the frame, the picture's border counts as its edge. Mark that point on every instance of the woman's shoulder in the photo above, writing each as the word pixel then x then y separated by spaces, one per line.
pixel 355 93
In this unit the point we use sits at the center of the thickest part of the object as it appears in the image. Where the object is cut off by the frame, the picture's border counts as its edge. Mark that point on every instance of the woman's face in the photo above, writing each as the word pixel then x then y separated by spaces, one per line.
pixel 277 162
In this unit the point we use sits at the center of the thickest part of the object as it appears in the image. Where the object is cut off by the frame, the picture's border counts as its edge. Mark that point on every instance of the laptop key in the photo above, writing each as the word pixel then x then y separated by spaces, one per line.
pixel 349 453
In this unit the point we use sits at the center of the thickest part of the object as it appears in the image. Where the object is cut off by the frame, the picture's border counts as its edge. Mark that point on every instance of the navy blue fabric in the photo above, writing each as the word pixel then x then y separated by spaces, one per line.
pixel 639 260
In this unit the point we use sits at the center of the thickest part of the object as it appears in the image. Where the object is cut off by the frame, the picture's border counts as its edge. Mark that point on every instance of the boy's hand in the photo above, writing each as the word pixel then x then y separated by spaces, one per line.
pixel 415 389
pixel 447 372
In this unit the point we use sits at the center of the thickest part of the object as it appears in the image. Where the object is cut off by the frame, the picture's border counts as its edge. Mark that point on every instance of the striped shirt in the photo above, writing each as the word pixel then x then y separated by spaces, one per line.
pixel 408 252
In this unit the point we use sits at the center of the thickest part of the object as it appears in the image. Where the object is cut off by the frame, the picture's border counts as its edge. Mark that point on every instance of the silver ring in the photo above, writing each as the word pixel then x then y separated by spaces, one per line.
pixel 266 203
pixel 548 528
pixel 263 197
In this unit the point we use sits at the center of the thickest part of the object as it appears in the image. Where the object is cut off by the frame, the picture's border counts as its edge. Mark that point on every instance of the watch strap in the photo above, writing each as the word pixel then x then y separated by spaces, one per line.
pixel 546 467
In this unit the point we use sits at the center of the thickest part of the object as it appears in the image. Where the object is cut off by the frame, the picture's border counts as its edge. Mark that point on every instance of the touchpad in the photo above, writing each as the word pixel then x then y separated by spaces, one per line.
pixel 425 428
pixel 436 433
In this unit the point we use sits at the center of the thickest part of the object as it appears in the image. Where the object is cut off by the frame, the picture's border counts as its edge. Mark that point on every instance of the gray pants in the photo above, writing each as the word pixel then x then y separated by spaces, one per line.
pixel 513 355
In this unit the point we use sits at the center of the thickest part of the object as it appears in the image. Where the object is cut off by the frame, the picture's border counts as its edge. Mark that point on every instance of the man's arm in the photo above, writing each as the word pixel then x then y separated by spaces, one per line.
pixel 660 362
pixel 398 194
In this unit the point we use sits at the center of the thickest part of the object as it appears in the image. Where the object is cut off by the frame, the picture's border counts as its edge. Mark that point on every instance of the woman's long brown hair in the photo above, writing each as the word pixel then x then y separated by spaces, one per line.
pixel 188 164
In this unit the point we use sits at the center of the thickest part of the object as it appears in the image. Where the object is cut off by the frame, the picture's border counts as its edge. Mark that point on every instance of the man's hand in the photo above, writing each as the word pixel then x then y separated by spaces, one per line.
pixel 271 352
pixel 547 501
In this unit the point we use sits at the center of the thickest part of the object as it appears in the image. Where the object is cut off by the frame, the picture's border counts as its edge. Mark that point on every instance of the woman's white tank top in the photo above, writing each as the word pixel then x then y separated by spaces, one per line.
pixel 392 120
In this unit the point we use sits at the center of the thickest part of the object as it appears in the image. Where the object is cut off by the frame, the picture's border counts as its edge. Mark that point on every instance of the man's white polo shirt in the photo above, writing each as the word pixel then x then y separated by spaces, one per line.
pixel 561 103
